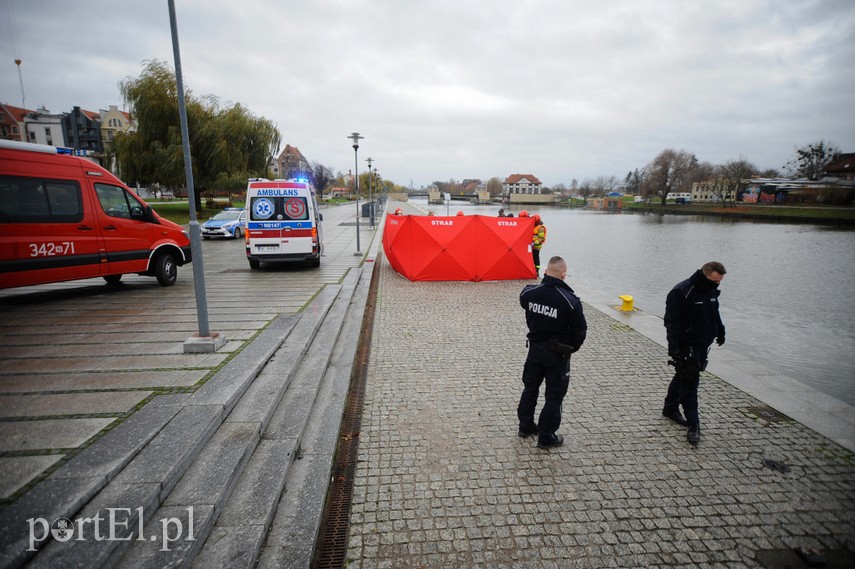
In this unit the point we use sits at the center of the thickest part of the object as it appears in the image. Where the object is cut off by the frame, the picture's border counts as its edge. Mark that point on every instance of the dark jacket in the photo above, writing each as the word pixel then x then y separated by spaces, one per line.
pixel 552 310
pixel 691 315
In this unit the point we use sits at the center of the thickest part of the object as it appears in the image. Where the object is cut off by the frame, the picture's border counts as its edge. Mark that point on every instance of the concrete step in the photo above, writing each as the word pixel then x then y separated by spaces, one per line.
pixel 137 465
pixel 229 463
pixel 138 489
pixel 69 489
pixel 317 390
pixel 292 538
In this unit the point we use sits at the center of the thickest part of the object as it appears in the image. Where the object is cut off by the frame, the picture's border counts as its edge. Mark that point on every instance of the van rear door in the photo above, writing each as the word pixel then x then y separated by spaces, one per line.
pixel 297 226
pixel 280 225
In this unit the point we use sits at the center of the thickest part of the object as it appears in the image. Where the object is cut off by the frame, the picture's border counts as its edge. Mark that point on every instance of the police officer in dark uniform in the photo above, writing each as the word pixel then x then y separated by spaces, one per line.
pixel 556 329
pixel 692 322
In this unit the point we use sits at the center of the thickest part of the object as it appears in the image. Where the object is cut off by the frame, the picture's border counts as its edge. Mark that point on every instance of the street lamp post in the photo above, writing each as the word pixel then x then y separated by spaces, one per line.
pixel 205 341
pixel 354 136
pixel 379 178
pixel 370 192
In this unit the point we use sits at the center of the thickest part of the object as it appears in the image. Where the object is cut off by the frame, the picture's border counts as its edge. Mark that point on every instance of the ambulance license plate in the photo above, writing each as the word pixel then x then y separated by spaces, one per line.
pixel 267 248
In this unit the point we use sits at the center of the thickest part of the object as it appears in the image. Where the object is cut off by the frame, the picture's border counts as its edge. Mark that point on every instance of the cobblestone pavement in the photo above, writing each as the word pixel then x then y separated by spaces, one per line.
pixel 443 480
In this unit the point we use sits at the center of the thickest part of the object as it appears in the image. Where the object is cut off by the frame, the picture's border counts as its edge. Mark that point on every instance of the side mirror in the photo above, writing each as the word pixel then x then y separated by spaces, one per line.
pixel 148 215
pixel 321 216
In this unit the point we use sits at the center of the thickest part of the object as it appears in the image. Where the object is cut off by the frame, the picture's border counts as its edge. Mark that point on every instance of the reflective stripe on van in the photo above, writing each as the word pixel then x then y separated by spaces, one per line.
pixel 58 262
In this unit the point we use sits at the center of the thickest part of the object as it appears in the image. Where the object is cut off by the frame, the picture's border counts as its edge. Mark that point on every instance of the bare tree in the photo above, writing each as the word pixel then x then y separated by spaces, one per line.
pixel 734 175
pixel 608 184
pixel 321 175
pixel 704 171
pixel 810 161
pixel 494 186
pixel 723 181
pixel 452 186
pixel 671 171
pixel 586 188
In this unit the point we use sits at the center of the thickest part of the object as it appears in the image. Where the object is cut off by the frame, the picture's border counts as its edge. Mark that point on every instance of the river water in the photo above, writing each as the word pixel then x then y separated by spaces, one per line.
pixel 787 300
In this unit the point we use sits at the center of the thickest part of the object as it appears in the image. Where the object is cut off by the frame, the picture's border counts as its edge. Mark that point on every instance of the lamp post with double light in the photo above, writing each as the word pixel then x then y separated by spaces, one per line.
pixel 354 136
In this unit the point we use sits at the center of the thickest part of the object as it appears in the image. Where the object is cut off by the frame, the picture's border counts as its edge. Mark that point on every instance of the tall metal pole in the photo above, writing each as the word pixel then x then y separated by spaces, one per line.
pixel 195 233
pixel 355 137
pixel 21 80
pixel 370 192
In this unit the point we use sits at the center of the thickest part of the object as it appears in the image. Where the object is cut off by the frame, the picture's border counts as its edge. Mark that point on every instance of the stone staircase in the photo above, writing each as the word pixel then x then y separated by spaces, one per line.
pixel 232 475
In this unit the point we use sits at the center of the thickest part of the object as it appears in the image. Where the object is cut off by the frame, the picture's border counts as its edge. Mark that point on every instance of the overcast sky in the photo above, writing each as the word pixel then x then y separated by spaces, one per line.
pixel 562 89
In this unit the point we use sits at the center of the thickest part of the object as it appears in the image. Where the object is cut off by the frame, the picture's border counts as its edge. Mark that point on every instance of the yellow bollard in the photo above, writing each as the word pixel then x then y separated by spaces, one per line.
pixel 627 303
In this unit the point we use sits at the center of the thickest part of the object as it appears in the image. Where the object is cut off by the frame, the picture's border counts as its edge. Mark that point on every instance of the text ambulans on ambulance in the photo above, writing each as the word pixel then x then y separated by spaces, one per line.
pixel 63 217
pixel 284 224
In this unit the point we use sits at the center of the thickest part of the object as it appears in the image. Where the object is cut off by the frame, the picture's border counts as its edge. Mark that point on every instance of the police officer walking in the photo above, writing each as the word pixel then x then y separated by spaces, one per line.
pixel 692 322
pixel 556 329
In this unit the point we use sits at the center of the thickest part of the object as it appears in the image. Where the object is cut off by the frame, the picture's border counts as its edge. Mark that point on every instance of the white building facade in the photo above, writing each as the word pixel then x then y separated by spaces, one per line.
pixel 521 184
pixel 44 127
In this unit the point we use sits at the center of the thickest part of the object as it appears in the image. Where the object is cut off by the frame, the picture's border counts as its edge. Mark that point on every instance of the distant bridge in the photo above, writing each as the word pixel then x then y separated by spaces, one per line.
pixel 473 197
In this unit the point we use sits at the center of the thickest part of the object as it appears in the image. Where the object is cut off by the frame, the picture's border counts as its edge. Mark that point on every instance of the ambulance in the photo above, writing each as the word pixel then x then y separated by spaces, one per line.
pixel 284 224
pixel 63 217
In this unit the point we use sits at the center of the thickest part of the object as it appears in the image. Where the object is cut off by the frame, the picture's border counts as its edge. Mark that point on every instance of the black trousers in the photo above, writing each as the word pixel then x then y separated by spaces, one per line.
pixel 535 253
pixel 543 364
pixel 683 389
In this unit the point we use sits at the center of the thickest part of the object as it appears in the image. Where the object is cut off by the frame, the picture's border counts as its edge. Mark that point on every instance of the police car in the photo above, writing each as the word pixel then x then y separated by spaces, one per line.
pixel 228 223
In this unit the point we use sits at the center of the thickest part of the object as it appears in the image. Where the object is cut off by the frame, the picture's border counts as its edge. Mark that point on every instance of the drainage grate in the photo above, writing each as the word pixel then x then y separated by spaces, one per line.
pixel 332 543
pixel 766 415
pixel 839 558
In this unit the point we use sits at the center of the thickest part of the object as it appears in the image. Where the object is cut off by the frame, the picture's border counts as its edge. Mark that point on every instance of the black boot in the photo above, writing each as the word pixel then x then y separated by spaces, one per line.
pixel 694 434
pixel 550 441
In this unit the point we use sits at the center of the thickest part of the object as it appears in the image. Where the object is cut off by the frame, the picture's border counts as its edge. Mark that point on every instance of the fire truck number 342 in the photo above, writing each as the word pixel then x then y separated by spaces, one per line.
pixel 51 249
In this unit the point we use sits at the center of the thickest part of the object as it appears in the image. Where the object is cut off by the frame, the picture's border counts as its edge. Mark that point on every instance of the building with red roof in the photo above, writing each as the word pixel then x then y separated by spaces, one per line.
pixel 12 125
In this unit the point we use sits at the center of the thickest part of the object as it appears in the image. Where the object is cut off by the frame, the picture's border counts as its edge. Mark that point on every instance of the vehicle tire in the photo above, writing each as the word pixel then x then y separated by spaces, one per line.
pixel 315 262
pixel 254 265
pixel 237 233
pixel 113 279
pixel 166 269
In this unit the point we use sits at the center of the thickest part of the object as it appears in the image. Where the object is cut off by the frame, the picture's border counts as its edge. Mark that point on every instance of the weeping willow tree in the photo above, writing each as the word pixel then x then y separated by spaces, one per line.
pixel 227 144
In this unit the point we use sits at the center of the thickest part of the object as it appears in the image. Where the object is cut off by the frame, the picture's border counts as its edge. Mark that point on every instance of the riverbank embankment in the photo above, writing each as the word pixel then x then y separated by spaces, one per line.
pixel 837 216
